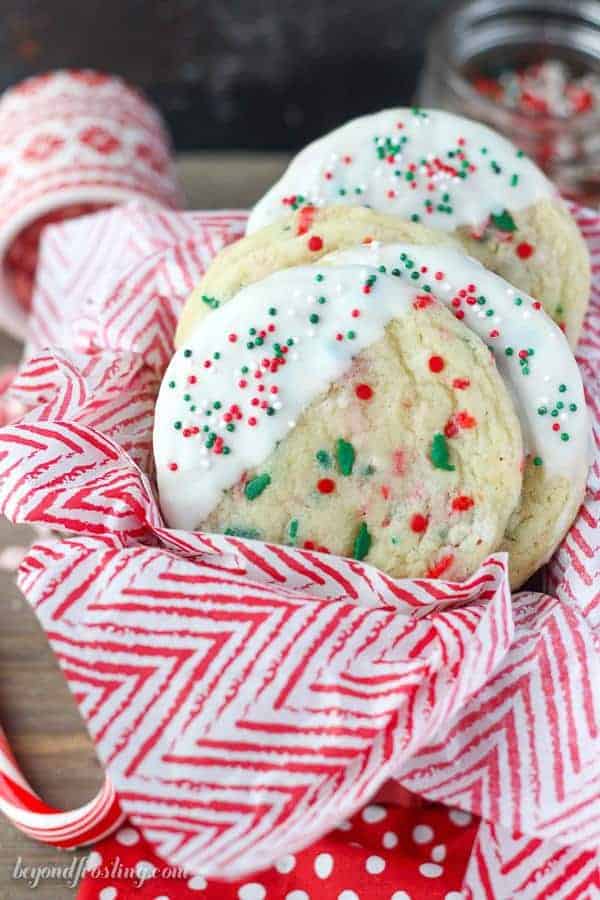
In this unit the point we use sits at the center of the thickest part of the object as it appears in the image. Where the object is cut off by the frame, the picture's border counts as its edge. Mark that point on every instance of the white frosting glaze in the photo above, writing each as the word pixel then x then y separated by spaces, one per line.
pixel 191 476
pixel 443 169
pixel 508 320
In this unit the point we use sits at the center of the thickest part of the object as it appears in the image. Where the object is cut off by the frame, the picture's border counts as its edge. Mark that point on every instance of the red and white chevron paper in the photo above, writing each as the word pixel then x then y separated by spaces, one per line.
pixel 245 697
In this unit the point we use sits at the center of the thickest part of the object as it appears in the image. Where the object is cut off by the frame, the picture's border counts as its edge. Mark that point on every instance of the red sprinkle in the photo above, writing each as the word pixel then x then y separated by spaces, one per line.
pixel 192 379
pixel 315 243
pixel 461 419
pixel 363 391
pixel 436 363
pixel 440 567
pixel 173 467
pixel 233 338
pixel 422 301
pixel 462 503
pixel 385 491
pixel 525 250
pixel 252 421
pixel 326 485
pixel 305 218
pixel 309 545
pixel 466 420
pixel 418 523
pixel 460 384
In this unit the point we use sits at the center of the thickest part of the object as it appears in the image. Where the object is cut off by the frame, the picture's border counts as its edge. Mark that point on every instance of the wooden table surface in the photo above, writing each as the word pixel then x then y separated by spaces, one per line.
pixel 36 709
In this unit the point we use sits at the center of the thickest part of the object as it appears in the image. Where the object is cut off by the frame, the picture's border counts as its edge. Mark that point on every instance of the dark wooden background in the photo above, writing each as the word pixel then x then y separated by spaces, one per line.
pixel 249 74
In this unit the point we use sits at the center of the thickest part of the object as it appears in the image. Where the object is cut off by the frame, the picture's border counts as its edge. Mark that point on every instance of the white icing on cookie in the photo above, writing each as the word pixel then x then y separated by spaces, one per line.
pixel 328 313
pixel 531 352
pixel 426 166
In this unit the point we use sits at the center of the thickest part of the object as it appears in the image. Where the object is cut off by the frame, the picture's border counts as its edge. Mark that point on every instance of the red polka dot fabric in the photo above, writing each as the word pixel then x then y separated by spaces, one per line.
pixel 386 852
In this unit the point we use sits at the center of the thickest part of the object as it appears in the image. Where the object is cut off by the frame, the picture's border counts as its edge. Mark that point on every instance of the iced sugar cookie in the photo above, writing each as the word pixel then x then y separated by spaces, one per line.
pixel 455 175
pixel 511 322
pixel 540 371
pixel 340 407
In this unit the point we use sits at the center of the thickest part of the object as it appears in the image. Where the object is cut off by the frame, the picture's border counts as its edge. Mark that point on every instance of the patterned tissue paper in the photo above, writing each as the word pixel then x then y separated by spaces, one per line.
pixel 245 697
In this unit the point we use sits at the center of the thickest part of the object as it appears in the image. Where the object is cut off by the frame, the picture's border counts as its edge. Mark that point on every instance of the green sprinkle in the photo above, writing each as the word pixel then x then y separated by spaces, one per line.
pixel 211 302
pixel 351 335
pixel 322 300
pixel 256 486
pixel 440 455
pixel 187 398
pixel 542 410
pixel 537 460
pixel 245 370
pixel 573 407
pixel 504 221
pixel 171 384
pixel 230 426
pixel 518 301
pixel 564 436
pixel 217 404
pixel 313 318
pixel 362 542
pixel 187 353
pixel 272 311
pixel 319 277
pixel 323 458
pixel 509 351
pixel 217 355
pixel 345 456
pixel 293 529
pixel 415 217
pixel 514 180
pixel 250 534
pixel 177 426
pixel 562 388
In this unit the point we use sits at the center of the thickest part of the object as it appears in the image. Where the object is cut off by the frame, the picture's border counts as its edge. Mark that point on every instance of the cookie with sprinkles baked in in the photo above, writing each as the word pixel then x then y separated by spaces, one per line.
pixel 540 371
pixel 341 408
pixel 455 175
pixel 526 345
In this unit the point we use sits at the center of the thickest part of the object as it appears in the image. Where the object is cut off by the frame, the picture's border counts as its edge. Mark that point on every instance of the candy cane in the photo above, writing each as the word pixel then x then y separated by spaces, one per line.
pixel 28 812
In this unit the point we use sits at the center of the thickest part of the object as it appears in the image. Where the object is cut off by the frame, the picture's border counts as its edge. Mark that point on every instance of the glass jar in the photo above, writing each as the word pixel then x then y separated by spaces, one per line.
pixel 482 39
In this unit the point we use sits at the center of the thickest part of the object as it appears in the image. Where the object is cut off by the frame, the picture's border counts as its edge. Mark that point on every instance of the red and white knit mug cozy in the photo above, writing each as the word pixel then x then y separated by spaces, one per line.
pixel 70 142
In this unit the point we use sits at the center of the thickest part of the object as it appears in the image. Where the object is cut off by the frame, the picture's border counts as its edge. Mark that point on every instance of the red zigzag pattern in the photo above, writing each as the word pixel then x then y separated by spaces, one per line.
pixel 243 696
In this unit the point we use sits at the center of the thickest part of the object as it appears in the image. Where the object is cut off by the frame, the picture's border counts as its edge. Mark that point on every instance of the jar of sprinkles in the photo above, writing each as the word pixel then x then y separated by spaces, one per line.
pixel 530 69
